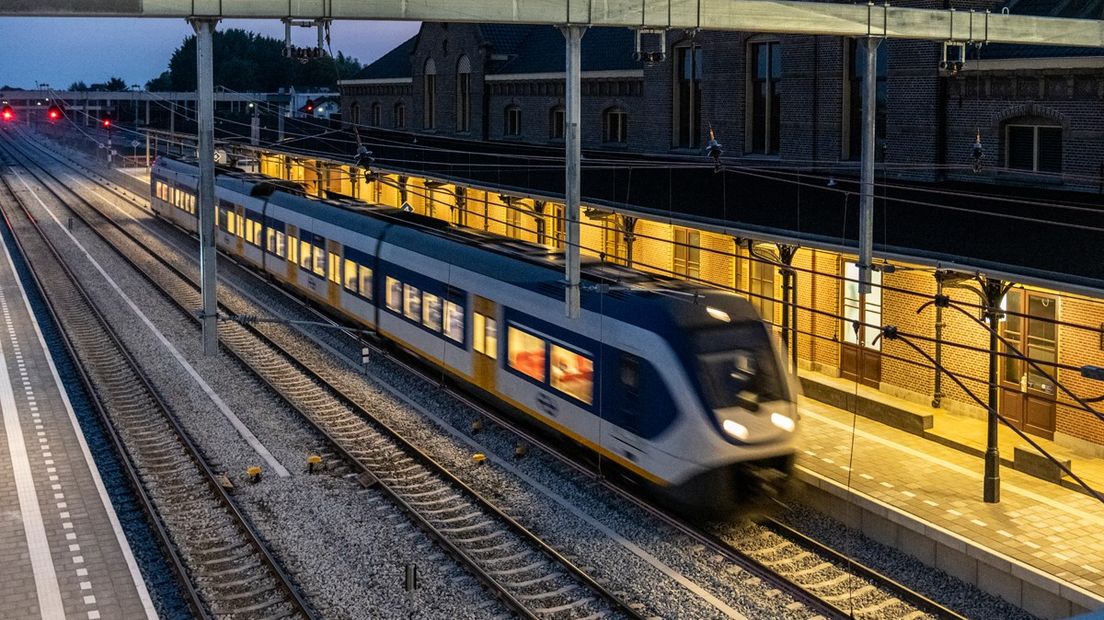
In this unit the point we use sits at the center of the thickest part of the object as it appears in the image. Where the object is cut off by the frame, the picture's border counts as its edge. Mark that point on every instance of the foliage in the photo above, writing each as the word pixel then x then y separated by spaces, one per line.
pixel 113 85
pixel 248 62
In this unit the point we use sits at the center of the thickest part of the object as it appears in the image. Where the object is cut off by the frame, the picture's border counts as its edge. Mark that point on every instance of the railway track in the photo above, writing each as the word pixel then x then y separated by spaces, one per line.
pixel 221 560
pixel 821 578
pixel 521 569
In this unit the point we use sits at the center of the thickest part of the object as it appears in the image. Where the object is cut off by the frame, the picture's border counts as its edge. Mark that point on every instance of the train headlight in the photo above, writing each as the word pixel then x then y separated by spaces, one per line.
pixel 737 430
pixel 718 314
pixel 783 422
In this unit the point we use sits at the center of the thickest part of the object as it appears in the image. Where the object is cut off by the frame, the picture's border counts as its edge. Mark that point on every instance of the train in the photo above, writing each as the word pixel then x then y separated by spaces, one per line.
pixel 679 386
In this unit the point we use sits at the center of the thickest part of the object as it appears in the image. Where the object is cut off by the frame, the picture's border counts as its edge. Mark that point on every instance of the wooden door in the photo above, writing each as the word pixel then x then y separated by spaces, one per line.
pixel 1027 397
pixel 860 355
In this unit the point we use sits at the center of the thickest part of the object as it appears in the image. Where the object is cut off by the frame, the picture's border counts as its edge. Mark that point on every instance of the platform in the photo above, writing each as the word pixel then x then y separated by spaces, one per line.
pixel 1041 547
pixel 62 551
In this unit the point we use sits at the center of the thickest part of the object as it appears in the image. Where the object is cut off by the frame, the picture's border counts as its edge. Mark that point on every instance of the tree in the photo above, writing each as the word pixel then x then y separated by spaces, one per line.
pixel 78 87
pixel 247 62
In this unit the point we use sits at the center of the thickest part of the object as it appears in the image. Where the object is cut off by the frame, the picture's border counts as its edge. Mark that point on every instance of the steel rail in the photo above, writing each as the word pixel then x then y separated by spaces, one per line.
pixel 252 537
pixel 722 547
pixel 512 524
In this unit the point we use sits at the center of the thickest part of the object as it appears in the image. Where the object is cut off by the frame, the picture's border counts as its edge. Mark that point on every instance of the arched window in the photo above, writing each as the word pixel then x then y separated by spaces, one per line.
pixel 354 113
pixel 556 123
pixel 463 95
pixel 377 114
pixel 512 121
pixel 429 109
pixel 1032 143
pixel 400 116
pixel 615 124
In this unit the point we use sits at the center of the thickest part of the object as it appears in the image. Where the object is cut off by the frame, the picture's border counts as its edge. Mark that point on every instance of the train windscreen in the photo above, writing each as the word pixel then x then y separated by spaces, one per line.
pixel 738 366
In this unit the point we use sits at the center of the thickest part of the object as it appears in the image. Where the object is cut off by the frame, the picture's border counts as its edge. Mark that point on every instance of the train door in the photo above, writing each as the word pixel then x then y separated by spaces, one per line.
pixel 485 349
pixel 860 355
pixel 239 228
pixel 333 275
pixel 1027 396
pixel 291 273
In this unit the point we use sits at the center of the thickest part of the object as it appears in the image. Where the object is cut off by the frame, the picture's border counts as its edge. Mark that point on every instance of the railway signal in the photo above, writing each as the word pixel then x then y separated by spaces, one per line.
pixel 309 107
pixel 54 113
pixel 7 113
pixel 105 121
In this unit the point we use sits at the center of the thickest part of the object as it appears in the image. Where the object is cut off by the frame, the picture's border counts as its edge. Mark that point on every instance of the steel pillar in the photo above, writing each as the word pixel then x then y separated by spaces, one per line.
pixel 572 156
pixel 994 291
pixel 866 202
pixel 205 119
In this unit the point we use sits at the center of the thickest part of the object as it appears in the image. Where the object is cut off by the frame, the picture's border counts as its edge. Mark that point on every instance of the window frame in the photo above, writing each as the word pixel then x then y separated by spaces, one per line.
pixel 609 135
pixel 556 127
pixel 1036 126
pixel 511 121
pixel 766 89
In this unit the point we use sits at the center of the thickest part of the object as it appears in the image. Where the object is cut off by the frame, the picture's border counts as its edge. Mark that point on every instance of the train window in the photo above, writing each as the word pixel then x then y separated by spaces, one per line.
pixel 454 321
pixel 305 254
pixel 431 311
pixel 351 276
pixel 241 224
pixel 394 294
pixel 293 249
pixel 270 241
pixel 412 302
pixel 256 230
pixel 572 374
pixel 485 336
pixel 365 281
pixel 335 268
pixel 526 353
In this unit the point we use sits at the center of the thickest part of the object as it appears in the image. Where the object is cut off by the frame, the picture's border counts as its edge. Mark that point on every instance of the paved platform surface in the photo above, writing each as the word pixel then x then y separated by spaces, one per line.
pixel 62 551
pixel 1037 524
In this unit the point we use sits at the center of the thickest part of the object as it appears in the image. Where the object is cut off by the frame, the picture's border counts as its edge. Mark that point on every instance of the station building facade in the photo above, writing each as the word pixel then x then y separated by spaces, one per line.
pixel 784 102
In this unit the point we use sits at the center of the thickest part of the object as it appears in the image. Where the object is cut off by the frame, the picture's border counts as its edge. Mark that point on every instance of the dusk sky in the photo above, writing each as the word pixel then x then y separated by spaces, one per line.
pixel 62 51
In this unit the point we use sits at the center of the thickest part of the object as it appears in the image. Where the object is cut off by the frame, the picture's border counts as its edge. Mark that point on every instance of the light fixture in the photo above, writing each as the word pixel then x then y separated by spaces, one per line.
pixel 783 422
pixel 737 430
pixel 718 314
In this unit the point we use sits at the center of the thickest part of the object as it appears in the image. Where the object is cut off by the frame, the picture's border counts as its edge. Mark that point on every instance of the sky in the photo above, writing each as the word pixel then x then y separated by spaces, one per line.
pixel 60 51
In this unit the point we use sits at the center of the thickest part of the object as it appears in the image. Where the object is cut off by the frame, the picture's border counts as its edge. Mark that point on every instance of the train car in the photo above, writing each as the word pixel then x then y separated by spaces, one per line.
pixel 678 385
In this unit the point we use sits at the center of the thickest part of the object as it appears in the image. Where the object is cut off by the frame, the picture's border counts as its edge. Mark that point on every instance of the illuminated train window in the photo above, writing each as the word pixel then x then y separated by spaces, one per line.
pixel 485 335
pixel 412 303
pixel 394 294
pixel 454 321
pixel 572 374
pixel 431 312
pixel 525 353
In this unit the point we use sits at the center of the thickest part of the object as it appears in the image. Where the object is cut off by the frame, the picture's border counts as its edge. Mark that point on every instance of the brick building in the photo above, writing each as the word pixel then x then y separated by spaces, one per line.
pixel 786 103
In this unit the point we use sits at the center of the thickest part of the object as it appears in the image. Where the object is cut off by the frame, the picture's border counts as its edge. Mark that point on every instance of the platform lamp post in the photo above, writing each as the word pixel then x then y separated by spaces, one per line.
pixel 866 191
pixel 992 292
pixel 205 118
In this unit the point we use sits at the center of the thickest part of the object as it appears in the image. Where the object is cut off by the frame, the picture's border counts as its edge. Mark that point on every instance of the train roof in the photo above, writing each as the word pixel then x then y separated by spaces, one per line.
pixel 522 263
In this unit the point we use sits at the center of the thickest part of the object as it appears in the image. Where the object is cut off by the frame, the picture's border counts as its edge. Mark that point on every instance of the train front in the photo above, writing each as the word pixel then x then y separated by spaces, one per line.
pixel 744 452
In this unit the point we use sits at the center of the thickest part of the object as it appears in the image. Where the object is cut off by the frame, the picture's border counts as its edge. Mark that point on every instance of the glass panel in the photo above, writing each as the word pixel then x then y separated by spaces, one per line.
pixel 335 268
pixel 412 302
pixel 1050 149
pixel 351 276
pixel 1021 147
pixel 293 249
pixel 431 311
pixel 478 333
pixel 454 321
pixel 492 338
pixel 1042 346
pixel 394 294
pixel 572 374
pixel 304 254
pixel 270 241
pixel 241 224
pixel 526 353
pixel 280 241
pixel 365 282
pixel 319 261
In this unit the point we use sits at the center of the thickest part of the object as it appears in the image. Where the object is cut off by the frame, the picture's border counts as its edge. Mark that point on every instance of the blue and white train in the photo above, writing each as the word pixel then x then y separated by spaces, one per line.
pixel 678 385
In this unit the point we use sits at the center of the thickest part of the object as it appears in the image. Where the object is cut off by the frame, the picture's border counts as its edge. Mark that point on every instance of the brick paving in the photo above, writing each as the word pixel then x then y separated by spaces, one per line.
pixel 84 553
pixel 1041 524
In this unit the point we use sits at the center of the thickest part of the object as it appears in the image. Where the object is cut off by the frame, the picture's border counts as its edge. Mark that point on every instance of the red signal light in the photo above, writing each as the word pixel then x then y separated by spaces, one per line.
pixel 310 106
pixel 53 113
pixel 7 113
